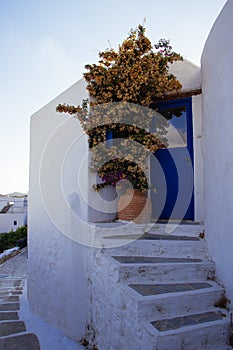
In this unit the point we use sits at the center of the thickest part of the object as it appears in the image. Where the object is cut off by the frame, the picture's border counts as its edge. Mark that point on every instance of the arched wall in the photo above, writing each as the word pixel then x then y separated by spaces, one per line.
pixel 217 88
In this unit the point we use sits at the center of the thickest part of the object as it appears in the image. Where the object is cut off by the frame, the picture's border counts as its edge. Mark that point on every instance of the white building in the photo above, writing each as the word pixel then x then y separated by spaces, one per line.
pixel 13 213
pixel 63 265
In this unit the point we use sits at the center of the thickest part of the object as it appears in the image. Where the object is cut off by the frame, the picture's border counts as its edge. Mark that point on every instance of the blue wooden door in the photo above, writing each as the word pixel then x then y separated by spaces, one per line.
pixel 171 168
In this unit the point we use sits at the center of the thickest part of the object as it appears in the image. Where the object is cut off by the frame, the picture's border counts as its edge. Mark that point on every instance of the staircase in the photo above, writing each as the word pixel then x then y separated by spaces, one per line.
pixel 158 292
pixel 13 334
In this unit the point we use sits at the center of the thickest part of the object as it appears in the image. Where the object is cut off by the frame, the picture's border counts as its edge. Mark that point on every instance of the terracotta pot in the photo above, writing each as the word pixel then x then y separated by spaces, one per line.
pixel 134 206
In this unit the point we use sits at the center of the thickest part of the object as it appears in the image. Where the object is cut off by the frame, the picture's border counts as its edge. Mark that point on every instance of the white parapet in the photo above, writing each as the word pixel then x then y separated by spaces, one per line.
pixel 58 287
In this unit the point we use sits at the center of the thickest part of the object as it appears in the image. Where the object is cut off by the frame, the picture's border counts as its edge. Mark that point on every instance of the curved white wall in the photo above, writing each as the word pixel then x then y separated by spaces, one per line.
pixel 217 60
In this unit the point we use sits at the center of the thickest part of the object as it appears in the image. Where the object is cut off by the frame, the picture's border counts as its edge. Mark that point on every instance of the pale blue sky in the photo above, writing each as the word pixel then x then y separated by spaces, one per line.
pixel 45 44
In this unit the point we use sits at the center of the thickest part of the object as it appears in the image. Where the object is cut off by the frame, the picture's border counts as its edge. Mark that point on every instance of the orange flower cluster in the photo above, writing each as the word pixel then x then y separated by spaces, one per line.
pixel 122 81
pixel 137 73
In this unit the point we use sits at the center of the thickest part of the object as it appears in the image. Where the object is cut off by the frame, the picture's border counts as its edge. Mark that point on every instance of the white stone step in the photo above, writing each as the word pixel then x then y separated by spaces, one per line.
pixel 24 341
pixel 163 269
pixel 174 303
pixel 173 228
pixel 11 327
pixel 9 306
pixel 162 248
pixel 200 336
pixel 10 283
pixel 221 347
pixel 8 315
pixel 194 230
pixel 9 298
pixel 12 291
pixel 112 235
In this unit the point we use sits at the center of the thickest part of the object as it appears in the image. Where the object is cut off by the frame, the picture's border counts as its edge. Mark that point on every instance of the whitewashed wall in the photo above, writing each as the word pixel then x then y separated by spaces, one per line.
pixel 7 221
pixel 217 75
pixel 58 286
pixel 187 73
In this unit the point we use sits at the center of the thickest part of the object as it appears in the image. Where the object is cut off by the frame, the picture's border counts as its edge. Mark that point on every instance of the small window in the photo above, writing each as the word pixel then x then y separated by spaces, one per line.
pixel 15 223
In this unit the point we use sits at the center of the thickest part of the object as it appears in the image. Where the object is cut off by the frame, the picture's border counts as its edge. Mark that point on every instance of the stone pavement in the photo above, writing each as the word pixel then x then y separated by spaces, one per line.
pixel 13 333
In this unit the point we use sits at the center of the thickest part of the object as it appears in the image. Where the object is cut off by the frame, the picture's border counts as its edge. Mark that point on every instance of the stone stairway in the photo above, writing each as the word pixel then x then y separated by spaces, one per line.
pixel 13 334
pixel 159 292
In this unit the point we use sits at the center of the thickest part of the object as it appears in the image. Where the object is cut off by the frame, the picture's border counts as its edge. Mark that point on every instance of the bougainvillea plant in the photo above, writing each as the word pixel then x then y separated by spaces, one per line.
pixel 123 86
